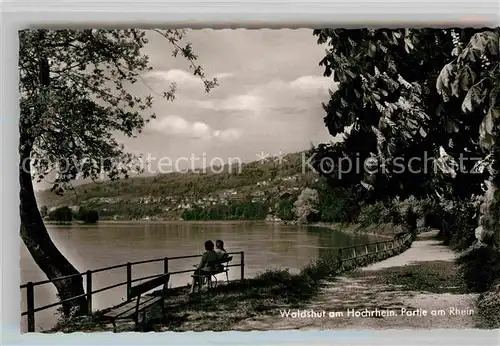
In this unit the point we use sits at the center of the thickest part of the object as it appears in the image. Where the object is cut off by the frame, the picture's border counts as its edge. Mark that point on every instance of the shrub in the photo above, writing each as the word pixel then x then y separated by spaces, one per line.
pixel 285 209
pixel 410 222
pixel 495 214
pixel 463 222
pixel 44 211
pixel 480 267
pixel 306 205
pixel 87 215
pixel 338 205
pixel 63 214
pixel 373 214
pixel 488 305
pixel 457 221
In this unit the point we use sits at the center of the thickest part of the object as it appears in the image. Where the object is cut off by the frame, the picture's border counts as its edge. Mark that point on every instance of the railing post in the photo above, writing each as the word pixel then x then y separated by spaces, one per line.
pixel 354 252
pixel 366 249
pixel 339 259
pixel 376 248
pixel 30 302
pixel 242 266
pixel 89 292
pixel 129 279
pixel 165 265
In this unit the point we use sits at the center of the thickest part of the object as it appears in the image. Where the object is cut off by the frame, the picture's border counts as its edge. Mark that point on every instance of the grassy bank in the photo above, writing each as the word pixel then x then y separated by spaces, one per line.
pixel 488 304
pixel 226 305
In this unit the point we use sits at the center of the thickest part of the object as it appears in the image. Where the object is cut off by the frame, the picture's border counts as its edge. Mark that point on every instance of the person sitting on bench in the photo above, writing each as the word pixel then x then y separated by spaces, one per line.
pixel 219 248
pixel 208 263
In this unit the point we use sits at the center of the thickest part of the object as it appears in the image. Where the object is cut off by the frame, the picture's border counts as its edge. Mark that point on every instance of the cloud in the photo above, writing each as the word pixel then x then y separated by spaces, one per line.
pixel 181 77
pixel 310 82
pixel 275 95
pixel 178 126
pixel 238 103
pixel 228 135
pixel 223 75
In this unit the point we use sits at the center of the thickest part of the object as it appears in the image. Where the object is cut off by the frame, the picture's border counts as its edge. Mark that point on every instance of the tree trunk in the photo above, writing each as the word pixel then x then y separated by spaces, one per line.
pixel 44 252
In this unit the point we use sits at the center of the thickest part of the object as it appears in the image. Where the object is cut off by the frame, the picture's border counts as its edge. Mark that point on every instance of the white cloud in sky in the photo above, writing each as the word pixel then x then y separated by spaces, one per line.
pixel 178 126
pixel 178 76
pixel 181 77
pixel 223 75
pixel 272 95
pixel 245 102
pixel 228 135
pixel 305 83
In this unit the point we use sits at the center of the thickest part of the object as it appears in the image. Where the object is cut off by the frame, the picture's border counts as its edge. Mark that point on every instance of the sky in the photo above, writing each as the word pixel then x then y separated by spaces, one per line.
pixel 269 98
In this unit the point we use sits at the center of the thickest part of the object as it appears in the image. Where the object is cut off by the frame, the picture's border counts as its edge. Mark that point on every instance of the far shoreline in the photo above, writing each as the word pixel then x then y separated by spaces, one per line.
pixel 379 230
pixel 78 223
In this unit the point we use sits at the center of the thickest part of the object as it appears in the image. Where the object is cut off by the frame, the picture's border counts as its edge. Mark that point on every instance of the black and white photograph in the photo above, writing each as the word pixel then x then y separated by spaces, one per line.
pixel 259 179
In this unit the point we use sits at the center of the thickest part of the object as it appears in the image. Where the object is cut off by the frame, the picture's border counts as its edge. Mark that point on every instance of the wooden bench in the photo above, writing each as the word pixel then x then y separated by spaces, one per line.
pixel 225 267
pixel 134 305
pixel 202 275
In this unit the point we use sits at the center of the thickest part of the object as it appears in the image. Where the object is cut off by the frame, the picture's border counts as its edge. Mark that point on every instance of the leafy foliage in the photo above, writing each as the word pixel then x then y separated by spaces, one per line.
pixel 335 204
pixel 74 98
pixel 306 205
pixel 472 77
pixel 372 214
pixel 391 115
pixel 63 214
pixel 44 211
pixel 88 216
pixel 285 209
pixel 480 267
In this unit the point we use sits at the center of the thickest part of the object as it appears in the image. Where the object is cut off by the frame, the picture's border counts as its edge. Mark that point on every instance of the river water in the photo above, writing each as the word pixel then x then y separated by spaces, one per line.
pixel 266 246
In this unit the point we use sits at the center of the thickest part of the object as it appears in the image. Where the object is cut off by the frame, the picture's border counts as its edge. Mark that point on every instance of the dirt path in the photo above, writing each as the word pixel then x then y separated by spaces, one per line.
pixel 365 290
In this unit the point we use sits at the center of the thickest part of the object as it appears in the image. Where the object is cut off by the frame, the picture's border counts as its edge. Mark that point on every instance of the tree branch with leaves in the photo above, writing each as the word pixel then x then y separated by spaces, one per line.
pixel 74 98
pixel 472 79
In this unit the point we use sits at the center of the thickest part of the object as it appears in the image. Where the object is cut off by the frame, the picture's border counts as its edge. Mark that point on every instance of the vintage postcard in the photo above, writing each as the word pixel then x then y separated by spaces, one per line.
pixel 239 180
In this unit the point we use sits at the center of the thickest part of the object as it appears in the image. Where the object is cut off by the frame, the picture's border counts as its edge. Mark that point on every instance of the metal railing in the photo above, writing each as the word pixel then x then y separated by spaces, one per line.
pixel 374 248
pixel 30 286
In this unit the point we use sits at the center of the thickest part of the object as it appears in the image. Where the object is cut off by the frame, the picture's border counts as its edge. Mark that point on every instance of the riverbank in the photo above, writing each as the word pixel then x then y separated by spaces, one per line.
pixel 228 305
pixel 408 287
pixel 384 230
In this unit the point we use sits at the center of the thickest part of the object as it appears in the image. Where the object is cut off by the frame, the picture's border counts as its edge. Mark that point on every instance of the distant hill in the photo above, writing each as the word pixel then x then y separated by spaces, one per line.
pixel 167 196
